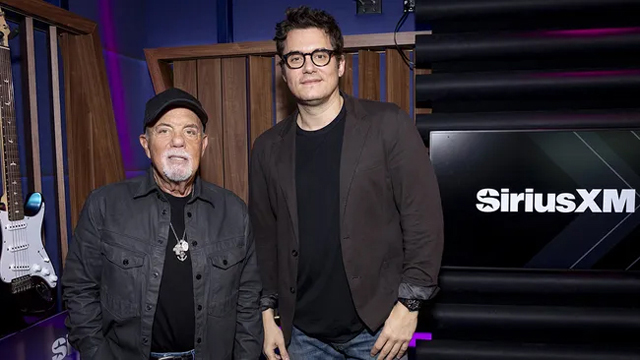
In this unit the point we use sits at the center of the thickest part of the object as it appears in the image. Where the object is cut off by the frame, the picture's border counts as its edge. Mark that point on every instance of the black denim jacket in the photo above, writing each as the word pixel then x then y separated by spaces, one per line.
pixel 114 267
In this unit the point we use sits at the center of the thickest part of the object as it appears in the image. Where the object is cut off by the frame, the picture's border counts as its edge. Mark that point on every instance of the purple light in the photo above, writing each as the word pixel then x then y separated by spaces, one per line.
pixel 419 336
pixel 589 73
pixel 115 80
pixel 591 32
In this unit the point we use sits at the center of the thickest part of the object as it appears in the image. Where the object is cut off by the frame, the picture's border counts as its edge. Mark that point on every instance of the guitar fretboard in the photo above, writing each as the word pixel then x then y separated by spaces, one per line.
pixel 13 183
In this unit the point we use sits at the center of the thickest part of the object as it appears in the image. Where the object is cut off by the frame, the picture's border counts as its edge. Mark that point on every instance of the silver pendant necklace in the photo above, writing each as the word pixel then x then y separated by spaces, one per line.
pixel 182 246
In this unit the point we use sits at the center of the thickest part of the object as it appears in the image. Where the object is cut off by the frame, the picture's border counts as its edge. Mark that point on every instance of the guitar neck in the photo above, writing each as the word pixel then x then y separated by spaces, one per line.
pixel 11 156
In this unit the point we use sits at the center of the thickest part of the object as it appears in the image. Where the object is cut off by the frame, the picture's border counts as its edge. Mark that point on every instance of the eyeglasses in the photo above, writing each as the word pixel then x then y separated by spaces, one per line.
pixel 297 59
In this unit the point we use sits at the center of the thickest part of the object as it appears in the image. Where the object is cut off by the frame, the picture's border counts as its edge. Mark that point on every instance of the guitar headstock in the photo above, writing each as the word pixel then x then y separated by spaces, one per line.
pixel 5 31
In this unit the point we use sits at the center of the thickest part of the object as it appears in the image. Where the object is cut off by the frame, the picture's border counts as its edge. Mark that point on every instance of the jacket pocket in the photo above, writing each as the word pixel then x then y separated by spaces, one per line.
pixel 227 259
pixel 225 269
pixel 121 257
pixel 121 280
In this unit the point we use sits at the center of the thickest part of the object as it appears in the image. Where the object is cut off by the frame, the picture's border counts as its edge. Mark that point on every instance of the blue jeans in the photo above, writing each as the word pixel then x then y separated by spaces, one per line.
pixel 303 347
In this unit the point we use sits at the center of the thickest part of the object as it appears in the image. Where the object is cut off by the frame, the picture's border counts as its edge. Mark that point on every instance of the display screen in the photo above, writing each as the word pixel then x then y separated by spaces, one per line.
pixel 540 199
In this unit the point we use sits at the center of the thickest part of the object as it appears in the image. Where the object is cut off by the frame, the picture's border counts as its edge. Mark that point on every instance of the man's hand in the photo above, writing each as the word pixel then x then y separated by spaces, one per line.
pixel 273 338
pixel 396 333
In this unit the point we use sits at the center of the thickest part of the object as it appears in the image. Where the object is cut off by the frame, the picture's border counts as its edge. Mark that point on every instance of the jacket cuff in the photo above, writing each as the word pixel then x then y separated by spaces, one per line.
pixel 409 291
pixel 268 302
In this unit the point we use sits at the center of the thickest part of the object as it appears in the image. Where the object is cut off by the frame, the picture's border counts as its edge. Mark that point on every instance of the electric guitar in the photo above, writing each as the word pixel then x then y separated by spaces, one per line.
pixel 24 264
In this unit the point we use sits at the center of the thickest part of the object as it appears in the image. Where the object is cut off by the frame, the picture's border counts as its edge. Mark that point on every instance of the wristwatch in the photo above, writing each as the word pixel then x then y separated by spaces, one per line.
pixel 411 304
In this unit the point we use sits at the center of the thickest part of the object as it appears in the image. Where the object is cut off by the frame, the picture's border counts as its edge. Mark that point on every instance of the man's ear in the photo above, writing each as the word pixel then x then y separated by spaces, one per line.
pixel 144 142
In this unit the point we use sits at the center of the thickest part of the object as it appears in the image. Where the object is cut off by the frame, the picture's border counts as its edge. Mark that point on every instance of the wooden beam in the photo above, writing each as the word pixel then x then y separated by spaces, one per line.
pixel 368 75
pixel 285 102
pixel 398 76
pixel 260 95
pixel 234 113
pixel 93 146
pixel 79 139
pixel 185 76
pixel 346 81
pixel 268 48
pixel 210 95
pixel 59 149
pixel 160 72
pixel 51 14
pixel 31 108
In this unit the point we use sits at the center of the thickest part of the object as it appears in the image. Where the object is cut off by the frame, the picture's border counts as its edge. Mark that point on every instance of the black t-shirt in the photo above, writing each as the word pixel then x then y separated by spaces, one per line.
pixel 174 323
pixel 324 306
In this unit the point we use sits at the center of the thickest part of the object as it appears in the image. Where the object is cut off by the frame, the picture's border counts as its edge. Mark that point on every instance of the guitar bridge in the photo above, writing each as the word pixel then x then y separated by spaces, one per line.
pixel 21 284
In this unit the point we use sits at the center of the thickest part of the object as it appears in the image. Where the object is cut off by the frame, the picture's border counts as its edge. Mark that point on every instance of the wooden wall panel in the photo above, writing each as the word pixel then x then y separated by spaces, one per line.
pixel 368 75
pixel 81 172
pixel 285 102
pixel 106 145
pixel 398 76
pixel 210 95
pixel 93 148
pixel 260 95
pixel 346 81
pixel 234 114
pixel 185 76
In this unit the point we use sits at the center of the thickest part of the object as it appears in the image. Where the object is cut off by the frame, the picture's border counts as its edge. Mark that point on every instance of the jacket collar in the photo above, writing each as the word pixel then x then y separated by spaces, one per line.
pixel 148 185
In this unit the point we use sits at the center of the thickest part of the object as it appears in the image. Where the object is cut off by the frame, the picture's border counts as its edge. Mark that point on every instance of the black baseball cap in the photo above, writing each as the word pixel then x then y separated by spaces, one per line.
pixel 170 99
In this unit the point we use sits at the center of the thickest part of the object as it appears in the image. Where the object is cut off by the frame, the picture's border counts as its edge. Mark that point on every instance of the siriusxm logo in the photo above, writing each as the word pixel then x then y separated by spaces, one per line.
pixel 611 201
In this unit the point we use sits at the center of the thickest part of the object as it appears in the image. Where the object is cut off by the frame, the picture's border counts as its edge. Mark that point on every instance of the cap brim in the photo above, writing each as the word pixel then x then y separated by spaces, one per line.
pixel 178 103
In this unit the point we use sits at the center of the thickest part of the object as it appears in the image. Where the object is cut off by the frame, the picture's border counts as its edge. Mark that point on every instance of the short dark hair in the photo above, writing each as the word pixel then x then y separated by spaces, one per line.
pixel 305 18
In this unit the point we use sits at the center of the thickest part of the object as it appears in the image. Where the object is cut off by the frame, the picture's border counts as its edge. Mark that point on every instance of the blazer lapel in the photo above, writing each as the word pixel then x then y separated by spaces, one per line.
pixel 355 134
pixel 286 161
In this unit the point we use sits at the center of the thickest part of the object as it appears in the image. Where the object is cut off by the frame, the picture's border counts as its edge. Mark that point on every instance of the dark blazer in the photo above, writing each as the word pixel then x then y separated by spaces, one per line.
pixel 390 212
pixel 114 269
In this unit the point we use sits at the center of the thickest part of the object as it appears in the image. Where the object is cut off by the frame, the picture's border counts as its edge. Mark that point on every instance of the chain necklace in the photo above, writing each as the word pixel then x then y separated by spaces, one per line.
pixel 182 246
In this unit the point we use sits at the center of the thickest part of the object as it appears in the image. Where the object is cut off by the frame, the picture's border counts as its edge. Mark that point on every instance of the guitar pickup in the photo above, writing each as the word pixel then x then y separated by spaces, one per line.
pixel 18 248
pixel 15 267
pixel 16 226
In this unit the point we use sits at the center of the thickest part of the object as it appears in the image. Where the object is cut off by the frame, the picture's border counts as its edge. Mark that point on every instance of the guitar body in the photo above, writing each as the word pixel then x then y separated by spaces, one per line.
pixel 25 267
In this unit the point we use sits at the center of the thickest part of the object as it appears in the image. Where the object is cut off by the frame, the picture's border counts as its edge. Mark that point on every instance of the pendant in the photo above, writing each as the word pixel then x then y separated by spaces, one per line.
pixel 184 245
pixel 180 250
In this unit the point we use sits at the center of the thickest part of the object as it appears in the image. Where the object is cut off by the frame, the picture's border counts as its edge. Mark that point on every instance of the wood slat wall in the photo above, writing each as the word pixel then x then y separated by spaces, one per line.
pixel 260 89
pixel 185 76
pixel 397 72
pixel 242 88
pixel 346 81
pixel 210 95
pixel 368 75
pixel 234 114
pixel 285 102
pixel 93 149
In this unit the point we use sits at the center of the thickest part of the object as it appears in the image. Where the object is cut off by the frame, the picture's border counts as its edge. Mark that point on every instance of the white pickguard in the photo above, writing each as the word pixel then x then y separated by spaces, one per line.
pixel 22 250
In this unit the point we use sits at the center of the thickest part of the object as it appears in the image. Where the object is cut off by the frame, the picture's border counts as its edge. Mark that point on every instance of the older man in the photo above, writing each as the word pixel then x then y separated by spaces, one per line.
pixel 162 266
